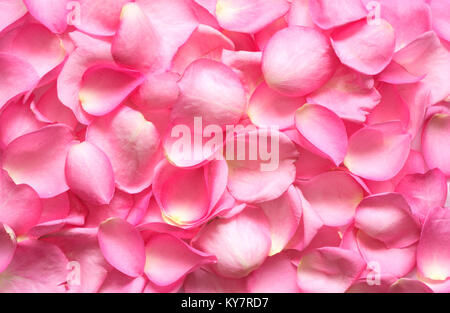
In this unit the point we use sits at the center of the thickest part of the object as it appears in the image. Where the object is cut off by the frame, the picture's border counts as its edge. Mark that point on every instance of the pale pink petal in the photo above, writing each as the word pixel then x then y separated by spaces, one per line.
pixel 104 88
pixel 205 42
pixel 310 225
pixel 407 285
pixel 169 259
pixel 122 246
pixel 417 98
pixel 11 11
pixel 334 196
pixel 310 164
pixel 55 208
pixel 440 11
pixel 16 76
pixel 96 17
pixel 202 281
pixel 298 60
pixel 35 44
pixel 388 218
pixel 116 282
pixel 249 16
pixel 323 131
pixel 36 267
pixel 276 275
pixel 50 13
pixel 269 108
pixel 88 267
pixel 330 270
pixel 427 56
pixel 241 244
pixel 89 173
pixel 436 143
pixel 131 144
pixel 8 245
pixel 433 250
pixel 256 177
pixel 424 191
pixel 136 43
pixel 247 64
pixel 349 94
pixel 391 108
pixel 140 207
pixel 299 14
pixel 284 216
pixel 263 36
pixel 173 24
pixel 396 262
pixel 119 207
pixel 38 159
pixel 365 48
pixel 415 164
pixel 90 52
pixel 378 152
pixel 16 120
pixel 394 73
pixel 331 13
pixel 210 90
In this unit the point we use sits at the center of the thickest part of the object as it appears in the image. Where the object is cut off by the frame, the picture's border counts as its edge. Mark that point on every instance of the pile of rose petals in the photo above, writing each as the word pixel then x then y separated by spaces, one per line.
pixel 95 198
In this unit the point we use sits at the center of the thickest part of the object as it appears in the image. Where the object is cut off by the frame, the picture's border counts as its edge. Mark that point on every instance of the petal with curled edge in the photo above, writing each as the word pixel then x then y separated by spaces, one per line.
pixel 436 143
pixel 433 252
pixel 131 144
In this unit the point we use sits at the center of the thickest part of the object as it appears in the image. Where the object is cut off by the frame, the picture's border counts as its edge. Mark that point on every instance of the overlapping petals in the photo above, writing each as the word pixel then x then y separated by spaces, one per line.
pixel 238 146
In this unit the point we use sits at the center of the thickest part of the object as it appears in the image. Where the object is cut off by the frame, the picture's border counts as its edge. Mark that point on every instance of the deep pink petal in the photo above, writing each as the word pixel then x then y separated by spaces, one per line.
pixel 433 250
pixel 323 131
